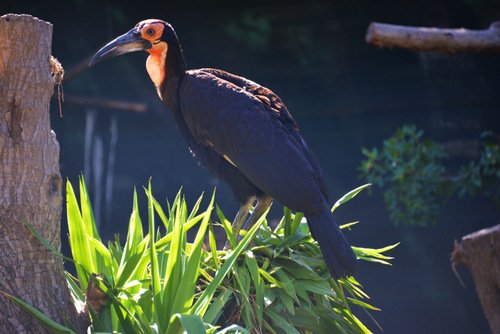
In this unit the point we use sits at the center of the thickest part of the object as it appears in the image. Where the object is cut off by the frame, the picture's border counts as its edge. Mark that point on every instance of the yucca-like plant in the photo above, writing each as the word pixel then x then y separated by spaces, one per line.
pixel 150 282
pixel 282 285
pixel 163 284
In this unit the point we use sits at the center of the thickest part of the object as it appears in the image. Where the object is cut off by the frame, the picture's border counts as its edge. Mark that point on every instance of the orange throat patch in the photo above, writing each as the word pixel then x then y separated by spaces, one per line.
pixel 155 65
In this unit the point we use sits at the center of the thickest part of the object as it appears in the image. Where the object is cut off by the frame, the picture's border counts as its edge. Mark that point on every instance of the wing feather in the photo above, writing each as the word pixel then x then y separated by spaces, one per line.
pixel 225 116
pixel 256 134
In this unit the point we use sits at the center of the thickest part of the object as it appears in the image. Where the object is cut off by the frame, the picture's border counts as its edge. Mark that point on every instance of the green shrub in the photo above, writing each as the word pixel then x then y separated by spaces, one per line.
pixel 163 284
pixel 412 170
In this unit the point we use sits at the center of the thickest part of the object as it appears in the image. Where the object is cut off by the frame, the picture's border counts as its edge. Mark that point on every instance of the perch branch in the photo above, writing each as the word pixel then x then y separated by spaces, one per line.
pixel 104 103
pixel 77 69
pixel 449 41
pixel 61 77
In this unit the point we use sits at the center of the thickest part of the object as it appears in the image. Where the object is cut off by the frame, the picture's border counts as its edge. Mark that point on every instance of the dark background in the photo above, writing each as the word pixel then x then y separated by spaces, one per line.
pixel 344 95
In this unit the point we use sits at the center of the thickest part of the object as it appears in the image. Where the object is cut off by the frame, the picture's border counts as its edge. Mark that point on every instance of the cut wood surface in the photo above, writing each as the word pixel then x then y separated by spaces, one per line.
pixel 480 253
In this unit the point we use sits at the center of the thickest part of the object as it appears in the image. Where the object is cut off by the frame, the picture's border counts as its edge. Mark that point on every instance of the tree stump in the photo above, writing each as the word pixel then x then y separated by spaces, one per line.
pixel 30 182
pixel 480 253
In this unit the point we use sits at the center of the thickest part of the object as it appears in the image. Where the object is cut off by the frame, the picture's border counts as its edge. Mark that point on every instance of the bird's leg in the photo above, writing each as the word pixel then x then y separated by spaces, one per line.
pixel 263 203
pixel 241 216
pixel 240 219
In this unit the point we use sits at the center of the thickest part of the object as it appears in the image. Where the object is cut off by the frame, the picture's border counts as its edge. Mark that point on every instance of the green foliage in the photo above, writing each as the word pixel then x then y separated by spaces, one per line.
pixel 483 176
pixel 282 285
pixel 412 168
pixel 164 284
pixel 250 28
pixel 47 322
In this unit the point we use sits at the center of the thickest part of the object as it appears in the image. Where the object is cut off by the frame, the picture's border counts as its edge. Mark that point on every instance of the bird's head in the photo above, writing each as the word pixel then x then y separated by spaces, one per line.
pixel 153 36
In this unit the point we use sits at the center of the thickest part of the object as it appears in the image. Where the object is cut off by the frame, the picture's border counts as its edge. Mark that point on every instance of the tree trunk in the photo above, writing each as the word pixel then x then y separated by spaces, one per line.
pixel 30 182
pixel 480 253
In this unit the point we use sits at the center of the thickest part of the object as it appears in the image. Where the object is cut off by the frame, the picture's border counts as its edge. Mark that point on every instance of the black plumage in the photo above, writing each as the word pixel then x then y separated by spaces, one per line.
pixel 242 133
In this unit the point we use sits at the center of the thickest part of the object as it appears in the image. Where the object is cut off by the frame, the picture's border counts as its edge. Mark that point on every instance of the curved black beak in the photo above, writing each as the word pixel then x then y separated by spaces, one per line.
pixel 129 42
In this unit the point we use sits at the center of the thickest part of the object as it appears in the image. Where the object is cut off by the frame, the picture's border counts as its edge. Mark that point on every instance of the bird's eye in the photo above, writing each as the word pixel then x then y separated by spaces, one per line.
pixel 150 31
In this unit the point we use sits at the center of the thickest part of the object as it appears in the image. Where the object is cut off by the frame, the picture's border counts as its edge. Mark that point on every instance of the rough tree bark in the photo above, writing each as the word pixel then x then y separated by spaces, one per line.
pixel 30 182
pixel 480 253
pixel 450 41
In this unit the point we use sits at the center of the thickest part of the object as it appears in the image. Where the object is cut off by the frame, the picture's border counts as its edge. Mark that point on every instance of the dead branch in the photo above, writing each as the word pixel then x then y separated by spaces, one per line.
pixel 77 69
pixel 80 67
pixel 449 41
pixel 104 103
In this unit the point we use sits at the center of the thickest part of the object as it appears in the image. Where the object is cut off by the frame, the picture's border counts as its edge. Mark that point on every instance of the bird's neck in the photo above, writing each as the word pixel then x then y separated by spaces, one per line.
pixel 167 72
pixel 155 65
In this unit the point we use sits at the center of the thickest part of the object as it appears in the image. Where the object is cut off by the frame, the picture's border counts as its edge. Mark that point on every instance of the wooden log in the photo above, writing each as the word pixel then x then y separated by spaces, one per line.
pixel 449 41
pixel 480 253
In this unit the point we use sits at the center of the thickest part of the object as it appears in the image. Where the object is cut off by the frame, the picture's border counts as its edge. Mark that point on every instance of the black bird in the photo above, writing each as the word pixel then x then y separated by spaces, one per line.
pixel 242 133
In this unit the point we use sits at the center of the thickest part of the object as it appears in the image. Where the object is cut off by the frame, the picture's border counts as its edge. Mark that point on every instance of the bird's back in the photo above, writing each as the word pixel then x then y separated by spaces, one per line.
pixel 232 116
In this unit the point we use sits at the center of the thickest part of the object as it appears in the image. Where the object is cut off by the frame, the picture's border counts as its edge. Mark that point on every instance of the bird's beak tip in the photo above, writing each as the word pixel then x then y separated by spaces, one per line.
pixel 126 43
pixel 93 61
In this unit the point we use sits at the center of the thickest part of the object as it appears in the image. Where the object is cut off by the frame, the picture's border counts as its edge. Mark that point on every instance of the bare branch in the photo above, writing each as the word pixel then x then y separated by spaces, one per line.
pixel 104 103
pixel 449 41
pixel 77 69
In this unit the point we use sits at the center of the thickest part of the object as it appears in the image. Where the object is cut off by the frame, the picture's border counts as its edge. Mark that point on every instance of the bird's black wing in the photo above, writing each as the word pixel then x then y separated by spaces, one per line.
pixel 223 115
pixel 264 94
pixel 222 112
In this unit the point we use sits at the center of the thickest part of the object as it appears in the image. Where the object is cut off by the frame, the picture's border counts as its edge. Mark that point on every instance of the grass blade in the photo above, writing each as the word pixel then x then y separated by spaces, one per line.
pixel 186 323
pixel 226 224
pixel 42 318
pixel 186 287
pixel 258 284
pixel 349 195
pixel 77 238
pixel 213 245
pixel 214 311
pixel 202 303
pixel 155 275
pixel 172 273
pixel 282 322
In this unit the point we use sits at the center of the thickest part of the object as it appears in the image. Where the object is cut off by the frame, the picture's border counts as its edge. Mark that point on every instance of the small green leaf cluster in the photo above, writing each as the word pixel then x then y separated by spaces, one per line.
pixel 272 281
pixel 483 176
pixel 412 168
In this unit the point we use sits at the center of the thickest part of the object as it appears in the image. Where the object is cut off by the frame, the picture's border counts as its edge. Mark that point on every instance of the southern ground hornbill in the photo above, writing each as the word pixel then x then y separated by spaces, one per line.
pixel 242 133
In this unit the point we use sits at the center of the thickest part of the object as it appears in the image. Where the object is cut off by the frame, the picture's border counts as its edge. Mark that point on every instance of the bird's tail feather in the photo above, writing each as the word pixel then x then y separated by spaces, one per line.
pixel 337 252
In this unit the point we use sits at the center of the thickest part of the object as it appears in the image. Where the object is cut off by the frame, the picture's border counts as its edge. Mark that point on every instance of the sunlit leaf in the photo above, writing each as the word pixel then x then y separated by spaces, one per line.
pixel 349 196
